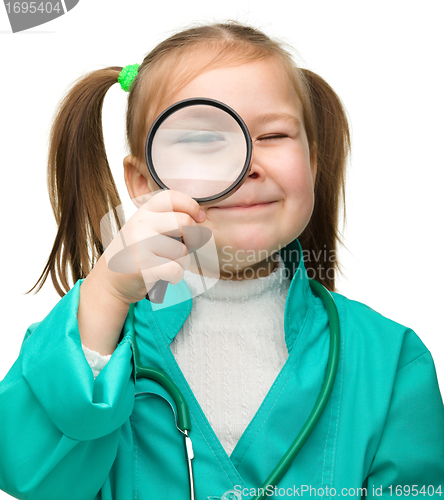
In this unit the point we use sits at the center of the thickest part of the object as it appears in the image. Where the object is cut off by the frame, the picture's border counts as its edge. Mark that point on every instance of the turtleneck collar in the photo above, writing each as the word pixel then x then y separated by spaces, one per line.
pixel 238 291
pixel 170 316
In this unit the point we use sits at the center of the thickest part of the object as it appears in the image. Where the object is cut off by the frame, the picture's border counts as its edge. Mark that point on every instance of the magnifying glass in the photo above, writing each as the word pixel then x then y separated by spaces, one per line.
pixel 200 147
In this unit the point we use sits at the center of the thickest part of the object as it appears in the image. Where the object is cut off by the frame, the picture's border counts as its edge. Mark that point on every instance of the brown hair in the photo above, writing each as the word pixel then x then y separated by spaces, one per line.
pixel 80 182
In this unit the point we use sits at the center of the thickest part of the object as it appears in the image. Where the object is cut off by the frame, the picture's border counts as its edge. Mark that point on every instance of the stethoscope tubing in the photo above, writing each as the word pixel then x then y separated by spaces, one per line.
pixel 332 367
pixel 183 412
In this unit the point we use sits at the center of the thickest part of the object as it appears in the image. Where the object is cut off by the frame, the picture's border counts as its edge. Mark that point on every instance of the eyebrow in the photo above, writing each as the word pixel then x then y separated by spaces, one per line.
pixel 204 116
pixel 273 117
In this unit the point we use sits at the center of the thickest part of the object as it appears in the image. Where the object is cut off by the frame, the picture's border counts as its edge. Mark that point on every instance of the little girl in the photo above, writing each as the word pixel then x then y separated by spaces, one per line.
pixel 250 353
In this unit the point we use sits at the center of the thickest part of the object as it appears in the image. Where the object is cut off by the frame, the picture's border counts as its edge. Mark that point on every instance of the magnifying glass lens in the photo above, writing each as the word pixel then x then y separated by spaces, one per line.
pixel 200 147
pixel 199 150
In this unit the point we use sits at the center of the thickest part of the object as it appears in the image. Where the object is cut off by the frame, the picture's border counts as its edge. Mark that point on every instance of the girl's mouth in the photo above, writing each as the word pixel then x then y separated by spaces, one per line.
pixel 246 207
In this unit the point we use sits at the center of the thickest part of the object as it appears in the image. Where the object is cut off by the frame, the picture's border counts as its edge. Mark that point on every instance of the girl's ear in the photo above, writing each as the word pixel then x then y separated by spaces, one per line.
pixel 136 180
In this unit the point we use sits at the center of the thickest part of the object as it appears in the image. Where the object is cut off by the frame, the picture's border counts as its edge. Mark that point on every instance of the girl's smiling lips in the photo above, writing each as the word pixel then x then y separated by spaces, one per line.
pixel 244 207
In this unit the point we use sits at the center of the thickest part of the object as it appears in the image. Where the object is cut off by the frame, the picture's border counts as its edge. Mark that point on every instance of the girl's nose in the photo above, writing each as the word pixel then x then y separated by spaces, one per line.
pixel 256 170
pixel 253 174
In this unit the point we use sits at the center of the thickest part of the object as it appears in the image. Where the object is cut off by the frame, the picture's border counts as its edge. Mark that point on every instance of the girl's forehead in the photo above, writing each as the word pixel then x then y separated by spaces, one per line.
pixel 264 78
pixel 194 69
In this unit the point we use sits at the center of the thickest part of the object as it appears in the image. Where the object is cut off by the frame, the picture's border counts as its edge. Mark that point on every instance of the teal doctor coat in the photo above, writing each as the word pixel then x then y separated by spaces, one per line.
pixel 66 436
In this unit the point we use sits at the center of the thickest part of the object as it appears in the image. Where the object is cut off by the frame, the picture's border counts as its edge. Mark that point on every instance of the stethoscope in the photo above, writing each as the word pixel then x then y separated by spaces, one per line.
pixel 183 422
pixel 206 142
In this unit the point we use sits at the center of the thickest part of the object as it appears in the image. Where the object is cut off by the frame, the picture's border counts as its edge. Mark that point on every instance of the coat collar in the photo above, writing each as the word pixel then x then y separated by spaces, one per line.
pixel 171 315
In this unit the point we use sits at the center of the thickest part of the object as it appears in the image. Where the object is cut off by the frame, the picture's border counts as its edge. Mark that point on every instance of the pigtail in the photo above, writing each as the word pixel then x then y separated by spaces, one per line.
pixel 80 184
pixel 332 137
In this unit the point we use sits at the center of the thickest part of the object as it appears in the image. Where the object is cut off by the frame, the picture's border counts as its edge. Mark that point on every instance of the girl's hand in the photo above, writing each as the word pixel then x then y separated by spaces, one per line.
pixel 143 252
pixel 140 255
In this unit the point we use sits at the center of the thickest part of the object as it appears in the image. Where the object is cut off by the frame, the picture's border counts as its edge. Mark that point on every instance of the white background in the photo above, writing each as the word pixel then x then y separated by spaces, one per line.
pixel 384 59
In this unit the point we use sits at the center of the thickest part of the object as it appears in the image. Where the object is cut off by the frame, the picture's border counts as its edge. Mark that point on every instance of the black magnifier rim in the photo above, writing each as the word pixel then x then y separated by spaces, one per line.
pixel 194 101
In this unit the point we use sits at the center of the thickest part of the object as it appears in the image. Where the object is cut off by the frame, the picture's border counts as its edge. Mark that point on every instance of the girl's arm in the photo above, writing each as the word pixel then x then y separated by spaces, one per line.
pixel 101 314
pixel 60 429
pixel 409 461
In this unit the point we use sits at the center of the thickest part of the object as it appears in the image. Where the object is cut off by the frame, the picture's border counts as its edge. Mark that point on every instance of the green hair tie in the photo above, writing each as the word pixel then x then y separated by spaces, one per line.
pixel 127 75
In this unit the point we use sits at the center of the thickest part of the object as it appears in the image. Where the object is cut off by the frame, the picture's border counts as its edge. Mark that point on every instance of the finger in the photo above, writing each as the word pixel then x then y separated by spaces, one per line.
pixel 162 246
pixel 145 224
pixel 148 254
pixel 175 201
pixel 165 270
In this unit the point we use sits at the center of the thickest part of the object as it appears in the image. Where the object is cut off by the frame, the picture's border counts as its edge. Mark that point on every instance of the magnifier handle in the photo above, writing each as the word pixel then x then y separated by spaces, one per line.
pixel 157 294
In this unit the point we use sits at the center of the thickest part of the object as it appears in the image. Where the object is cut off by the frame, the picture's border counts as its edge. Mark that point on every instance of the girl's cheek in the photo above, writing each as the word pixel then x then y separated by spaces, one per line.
pixel 296 172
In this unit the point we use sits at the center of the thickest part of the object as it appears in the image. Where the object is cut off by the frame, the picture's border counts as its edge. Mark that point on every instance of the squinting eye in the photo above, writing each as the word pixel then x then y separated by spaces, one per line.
pixel 277 136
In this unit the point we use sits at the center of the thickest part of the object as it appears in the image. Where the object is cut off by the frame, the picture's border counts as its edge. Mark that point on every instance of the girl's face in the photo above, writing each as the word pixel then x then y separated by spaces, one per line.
pixel 280 187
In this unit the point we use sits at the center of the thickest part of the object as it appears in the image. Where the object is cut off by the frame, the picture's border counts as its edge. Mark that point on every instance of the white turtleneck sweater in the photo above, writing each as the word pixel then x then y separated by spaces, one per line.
pixel 230 348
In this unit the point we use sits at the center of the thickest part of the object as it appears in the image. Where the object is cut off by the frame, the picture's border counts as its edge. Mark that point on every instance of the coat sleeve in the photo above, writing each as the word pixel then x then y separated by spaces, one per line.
pixel 60 428
pixel 410 454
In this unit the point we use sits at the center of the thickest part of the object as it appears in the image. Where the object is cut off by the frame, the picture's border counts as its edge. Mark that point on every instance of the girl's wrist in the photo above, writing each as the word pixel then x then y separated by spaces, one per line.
pixel 109 283
pixel 100 316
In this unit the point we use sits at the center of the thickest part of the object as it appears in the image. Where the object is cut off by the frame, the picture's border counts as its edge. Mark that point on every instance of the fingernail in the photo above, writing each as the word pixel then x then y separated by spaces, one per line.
pixel 201 215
